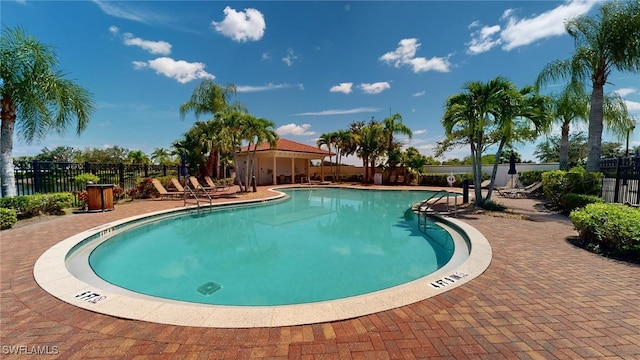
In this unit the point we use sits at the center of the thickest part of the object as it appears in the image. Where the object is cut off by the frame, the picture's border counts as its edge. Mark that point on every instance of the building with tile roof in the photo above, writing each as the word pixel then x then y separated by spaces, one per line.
pixel 288 162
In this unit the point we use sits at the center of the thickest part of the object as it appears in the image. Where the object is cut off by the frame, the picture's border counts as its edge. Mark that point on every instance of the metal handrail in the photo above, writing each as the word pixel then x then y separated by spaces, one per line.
pixel 426 206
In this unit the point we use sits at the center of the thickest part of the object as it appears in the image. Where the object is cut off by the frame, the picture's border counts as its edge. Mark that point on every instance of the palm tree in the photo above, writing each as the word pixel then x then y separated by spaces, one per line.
pixel 256 131
pixel 467 115
pixel 572 105
pixel 522 115
pixel 393 125
pixel 161 156
pixel 606 42
pixel 210 98
pixel 370 146
pixel 326 139
pixel 35 97
pixel 137 157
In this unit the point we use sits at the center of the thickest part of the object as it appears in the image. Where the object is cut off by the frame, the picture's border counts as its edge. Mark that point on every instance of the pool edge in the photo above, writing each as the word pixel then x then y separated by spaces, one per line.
pixel 51 274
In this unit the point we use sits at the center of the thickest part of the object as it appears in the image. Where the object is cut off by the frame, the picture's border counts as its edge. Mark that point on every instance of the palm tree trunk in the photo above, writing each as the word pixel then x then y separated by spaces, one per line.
pixel 6 148
pixel 595 127
pixel 495 168
pixel 564 146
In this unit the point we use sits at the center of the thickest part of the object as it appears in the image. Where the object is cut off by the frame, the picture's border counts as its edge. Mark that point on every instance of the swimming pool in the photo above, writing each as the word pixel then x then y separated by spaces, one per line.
pixel 317 245
pixel 56 270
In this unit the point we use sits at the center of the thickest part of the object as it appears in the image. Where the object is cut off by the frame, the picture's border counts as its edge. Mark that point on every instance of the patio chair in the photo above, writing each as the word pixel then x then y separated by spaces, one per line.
pixel 176 184
pixel 215 186
pixel 197 187
pixel 164 193
pixel 525 192
pixel 483 185
pixel 510 185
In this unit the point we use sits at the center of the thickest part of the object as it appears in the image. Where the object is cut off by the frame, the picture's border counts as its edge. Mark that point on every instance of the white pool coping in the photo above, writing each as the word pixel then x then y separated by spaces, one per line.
pixel 51 273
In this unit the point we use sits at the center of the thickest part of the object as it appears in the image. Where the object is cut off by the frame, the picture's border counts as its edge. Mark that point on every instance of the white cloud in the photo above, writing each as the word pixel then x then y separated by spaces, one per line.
pixel 632 106
pixel 419 132
pixel 419 93
pixel 267 87
pixel 520 32
pixel 290 58
pixel 483 40
pixel 179 70
pixel 241 26
pixel 341 112
pixel 293 129
pixel 265 57
pixel 375 88
pixel 114 29
pixel 625 91
pixel 405 54
pixel 129 10
pixel 154 47
pixel 342 87
pixel 474 24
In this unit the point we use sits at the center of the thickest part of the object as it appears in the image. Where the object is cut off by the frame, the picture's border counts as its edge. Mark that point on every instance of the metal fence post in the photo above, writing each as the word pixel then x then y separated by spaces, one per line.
pixel 36 177
pixel 617 189
pixel 121 175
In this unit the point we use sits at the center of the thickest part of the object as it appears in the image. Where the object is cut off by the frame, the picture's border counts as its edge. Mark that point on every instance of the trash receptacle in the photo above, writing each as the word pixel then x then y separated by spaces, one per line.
pixel 100 197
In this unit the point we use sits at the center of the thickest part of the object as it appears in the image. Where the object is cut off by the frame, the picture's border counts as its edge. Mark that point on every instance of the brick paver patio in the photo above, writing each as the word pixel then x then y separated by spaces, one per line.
pixel 541 298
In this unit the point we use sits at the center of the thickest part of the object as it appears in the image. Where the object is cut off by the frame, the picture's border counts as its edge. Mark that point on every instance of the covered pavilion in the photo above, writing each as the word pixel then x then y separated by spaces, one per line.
pixel 288 162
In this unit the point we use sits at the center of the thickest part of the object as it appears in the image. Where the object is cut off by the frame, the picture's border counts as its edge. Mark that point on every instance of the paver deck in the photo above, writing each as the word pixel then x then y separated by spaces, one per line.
pixel 541 298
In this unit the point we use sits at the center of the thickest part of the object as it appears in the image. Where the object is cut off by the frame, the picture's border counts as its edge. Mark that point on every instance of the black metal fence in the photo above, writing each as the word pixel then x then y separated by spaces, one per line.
pixel 621 179
pixel 52 176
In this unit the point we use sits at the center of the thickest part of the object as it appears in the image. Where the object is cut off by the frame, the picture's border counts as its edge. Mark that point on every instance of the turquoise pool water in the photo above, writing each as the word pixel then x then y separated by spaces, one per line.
pixel 320 244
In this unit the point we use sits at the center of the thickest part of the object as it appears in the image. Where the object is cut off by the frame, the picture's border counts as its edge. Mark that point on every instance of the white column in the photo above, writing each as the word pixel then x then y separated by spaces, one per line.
pixel 274 180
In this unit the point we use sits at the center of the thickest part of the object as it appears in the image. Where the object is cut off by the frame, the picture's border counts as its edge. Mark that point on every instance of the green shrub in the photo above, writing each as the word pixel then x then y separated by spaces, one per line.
pixel 8 218
pixel 147 190
pixel 609 228
pixel 27 206
pixel 578 181
pixel 492 206
pixel 84 178
pixel 441 179
pixel 528 177
pixel 571 201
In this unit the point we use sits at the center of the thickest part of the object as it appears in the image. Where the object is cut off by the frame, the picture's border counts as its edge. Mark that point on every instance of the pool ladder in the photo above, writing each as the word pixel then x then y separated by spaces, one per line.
pixel 188 192
pixel 427 206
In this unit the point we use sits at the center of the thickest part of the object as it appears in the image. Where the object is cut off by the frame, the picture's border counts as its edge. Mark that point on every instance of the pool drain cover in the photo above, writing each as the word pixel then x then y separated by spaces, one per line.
pixel 208 288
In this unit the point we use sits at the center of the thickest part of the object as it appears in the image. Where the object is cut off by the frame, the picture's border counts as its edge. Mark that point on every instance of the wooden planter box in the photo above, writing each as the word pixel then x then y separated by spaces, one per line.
pixel 100 197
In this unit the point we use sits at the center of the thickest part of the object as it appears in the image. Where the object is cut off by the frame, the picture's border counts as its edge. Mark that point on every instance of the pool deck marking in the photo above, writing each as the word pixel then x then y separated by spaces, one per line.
pixel 51 273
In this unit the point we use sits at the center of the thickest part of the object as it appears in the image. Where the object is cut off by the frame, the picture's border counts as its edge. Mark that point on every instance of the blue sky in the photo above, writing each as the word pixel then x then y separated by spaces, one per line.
pixel 310 67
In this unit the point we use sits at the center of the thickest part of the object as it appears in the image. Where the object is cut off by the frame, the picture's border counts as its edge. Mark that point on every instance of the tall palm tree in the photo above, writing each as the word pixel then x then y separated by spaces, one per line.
pixel 606 42
pixel 161 156
pixel 468 114
pixel 572 105
pixel 35 97
pixel 393 125
pixel 327 139
pixel 137 157
pixel 521 115
pixel 211 98
pixel 257 131
pixel 371 146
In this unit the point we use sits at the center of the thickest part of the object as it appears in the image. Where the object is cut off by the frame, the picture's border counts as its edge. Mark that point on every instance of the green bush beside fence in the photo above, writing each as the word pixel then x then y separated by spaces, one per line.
pixel 8 218
pixel 27 206
pixel 609 228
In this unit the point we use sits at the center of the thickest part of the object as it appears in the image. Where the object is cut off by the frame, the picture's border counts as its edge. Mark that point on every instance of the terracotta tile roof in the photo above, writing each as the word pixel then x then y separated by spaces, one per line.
pixel 288 145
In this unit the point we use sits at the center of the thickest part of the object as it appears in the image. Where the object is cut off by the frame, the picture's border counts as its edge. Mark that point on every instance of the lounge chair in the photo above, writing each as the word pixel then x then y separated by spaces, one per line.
pixel 164 193
pixel 197 187
pixel 510 185
pixel 215 186
pixel 483 185
pixel 176 184
pixel 525 192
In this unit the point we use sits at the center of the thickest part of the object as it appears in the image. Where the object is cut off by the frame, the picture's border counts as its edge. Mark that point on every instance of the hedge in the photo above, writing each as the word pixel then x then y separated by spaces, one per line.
pixel 8 218
pixel 609 228
pixel 27 206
